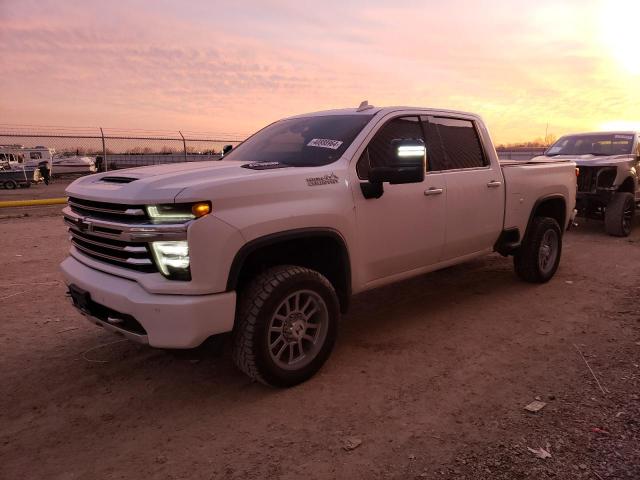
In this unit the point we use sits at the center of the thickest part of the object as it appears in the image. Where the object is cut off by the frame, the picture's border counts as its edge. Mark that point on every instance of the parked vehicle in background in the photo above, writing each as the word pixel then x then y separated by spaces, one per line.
pixel 608 183
pixel 14 171
pixel 14 177
pixel 271 241
pixel 30 156
pixel 8 159
pixel 73 165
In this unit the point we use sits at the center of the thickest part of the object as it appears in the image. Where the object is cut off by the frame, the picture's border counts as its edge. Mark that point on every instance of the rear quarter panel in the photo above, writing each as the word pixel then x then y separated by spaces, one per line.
pixel 526 184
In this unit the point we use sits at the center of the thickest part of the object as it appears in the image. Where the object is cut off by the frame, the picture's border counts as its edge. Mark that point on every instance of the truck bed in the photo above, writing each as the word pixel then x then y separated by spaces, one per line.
pixel 528 182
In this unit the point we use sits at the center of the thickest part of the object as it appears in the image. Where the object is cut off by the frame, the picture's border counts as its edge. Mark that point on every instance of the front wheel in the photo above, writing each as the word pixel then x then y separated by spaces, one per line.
pixel 539 255
pixel 618 217
pixel 286 326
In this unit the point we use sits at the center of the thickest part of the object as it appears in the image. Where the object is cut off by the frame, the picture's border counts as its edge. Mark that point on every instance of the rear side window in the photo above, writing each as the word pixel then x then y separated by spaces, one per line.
pixel 452 144
pixel 379 152
pixel 35 155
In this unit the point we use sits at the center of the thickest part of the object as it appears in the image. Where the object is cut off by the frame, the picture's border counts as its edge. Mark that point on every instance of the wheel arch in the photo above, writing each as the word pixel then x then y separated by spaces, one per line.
pixel 628 185
pixel 320 249
pixel 553 206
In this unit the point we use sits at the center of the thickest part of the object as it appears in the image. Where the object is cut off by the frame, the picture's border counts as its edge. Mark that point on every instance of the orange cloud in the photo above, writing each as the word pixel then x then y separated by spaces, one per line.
pixel 231 67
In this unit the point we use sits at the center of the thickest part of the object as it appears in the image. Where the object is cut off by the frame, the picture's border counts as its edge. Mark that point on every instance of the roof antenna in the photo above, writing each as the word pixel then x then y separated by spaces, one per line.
pixel 364 106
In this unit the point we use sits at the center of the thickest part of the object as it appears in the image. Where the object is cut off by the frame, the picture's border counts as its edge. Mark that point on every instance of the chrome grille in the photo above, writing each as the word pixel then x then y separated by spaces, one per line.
pixel 117 234
pixel 108 211
pixel 134 255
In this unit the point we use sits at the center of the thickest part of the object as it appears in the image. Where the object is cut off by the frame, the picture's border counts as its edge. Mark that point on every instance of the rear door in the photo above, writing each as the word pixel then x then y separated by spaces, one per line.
pixel 475 187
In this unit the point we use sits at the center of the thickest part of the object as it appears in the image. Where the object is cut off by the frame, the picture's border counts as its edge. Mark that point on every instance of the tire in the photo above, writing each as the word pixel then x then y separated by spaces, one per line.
pixel 277 341
pixel 10 185
pixel 618 217
pixel 538 257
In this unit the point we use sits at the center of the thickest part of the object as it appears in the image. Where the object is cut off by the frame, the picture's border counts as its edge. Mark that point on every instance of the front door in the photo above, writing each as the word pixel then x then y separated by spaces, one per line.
pixel 403 230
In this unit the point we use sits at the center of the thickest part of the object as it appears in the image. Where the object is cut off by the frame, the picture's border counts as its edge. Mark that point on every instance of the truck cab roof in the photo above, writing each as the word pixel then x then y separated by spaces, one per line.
pixel 370 110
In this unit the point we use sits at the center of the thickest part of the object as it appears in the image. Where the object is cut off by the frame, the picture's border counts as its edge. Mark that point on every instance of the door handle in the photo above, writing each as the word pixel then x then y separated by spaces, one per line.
pixel 433 191
pixel 494 184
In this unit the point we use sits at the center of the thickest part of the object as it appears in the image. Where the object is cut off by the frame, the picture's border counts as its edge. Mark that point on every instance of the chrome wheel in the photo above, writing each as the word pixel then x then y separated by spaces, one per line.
pixel 298 329
pixel 548 252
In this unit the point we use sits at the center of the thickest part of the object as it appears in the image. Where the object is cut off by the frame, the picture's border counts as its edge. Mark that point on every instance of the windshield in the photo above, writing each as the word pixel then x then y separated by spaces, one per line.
pixel 596 144
pixel 302 142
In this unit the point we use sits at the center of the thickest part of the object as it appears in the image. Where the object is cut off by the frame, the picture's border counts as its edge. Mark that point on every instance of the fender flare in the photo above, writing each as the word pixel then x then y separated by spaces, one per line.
pixel 287 235
pixel 539 202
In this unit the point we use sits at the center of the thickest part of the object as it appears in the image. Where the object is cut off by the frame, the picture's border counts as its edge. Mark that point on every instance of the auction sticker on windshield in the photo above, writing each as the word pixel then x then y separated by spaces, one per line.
pixel 325 143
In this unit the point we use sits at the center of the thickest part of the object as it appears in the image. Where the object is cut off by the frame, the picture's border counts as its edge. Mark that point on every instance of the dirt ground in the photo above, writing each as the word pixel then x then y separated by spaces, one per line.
pixel 430 375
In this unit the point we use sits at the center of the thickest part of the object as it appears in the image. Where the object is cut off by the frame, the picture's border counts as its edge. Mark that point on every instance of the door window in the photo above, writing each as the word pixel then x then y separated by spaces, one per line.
pixel 35 155
pixel 452 144
pixel 379 152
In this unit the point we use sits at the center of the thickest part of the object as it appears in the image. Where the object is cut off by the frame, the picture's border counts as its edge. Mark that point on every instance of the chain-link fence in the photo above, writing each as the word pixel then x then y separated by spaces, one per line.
pixel 86 150
pixel 74 151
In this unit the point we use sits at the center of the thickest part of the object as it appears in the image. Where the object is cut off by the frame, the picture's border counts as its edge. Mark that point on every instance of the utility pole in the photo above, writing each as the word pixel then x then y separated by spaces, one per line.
pixel 546 134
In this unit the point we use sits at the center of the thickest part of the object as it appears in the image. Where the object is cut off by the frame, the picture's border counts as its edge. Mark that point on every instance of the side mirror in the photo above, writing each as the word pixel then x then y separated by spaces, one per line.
pixel 226 149
pixel 410 158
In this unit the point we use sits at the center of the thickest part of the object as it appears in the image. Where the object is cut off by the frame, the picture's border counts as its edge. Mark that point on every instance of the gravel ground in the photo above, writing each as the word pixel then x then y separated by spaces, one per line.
pixel 429 379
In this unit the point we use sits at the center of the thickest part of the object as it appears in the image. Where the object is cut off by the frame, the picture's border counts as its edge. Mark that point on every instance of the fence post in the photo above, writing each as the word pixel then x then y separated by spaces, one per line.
pixel 104 152
pixel 184 144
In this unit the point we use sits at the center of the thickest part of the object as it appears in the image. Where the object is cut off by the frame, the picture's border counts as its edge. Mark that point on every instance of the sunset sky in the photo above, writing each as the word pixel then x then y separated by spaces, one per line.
pixel 230 67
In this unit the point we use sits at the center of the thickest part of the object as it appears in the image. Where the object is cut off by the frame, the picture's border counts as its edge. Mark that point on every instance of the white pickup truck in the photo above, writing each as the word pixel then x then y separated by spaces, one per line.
pixel 271 242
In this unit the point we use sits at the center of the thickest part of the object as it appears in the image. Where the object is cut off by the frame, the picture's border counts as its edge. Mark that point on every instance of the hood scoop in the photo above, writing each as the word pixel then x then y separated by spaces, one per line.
pixel 264 165
pixel 112 179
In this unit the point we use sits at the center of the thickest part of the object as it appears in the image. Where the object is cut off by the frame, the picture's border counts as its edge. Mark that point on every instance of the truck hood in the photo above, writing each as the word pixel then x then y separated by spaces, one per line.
pixel 154 184
pixel 592 160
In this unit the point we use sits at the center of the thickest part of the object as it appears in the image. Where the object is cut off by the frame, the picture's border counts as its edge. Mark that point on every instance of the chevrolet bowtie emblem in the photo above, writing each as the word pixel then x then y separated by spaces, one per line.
pixel 84 225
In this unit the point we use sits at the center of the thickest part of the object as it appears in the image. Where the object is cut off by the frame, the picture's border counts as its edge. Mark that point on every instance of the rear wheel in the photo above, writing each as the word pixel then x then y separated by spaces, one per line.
pixel 10 184
pixel 286 326
pixel 539 255
pixel 618 218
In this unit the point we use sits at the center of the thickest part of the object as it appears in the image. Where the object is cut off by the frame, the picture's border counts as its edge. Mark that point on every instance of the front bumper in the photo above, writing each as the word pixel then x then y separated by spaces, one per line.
pixel 164 321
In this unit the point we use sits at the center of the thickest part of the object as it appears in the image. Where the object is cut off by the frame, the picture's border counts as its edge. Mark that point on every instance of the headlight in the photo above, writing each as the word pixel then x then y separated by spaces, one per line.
pixel 178 212
pixel 172 259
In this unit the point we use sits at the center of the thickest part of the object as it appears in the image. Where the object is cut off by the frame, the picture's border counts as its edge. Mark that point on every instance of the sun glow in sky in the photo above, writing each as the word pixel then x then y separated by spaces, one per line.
pixel 232 66
pixel 619 27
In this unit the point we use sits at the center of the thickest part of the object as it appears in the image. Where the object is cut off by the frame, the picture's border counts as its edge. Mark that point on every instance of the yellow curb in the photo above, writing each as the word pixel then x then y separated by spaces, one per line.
pixel 31 203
